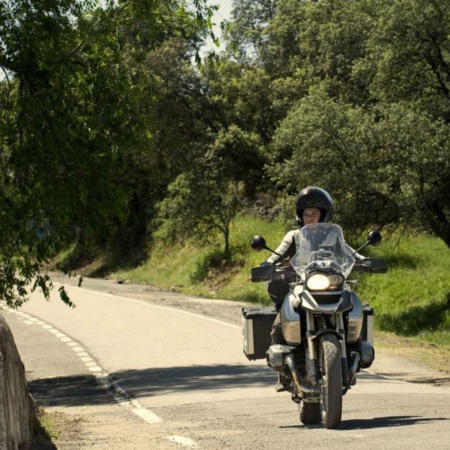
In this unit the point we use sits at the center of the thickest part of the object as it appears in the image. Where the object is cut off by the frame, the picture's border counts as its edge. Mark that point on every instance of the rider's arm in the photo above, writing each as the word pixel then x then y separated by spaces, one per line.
pixel 286 249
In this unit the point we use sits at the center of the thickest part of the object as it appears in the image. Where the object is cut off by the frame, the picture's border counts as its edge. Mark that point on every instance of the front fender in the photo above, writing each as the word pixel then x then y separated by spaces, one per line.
pixel 343 304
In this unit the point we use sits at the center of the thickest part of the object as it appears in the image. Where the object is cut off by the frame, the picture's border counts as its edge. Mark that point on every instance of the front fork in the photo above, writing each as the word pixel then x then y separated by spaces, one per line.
pixel 312 367
pixel 312 334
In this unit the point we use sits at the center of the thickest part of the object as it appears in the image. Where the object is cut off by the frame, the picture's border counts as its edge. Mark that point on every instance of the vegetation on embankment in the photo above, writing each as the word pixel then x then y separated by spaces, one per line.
pixel 412 300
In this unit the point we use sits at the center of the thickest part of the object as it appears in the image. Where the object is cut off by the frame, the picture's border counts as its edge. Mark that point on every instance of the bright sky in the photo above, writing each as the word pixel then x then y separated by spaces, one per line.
pixel 224 9
pixel 222 14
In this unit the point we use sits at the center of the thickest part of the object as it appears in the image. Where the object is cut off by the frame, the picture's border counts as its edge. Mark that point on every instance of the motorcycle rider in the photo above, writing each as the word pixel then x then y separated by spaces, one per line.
pixel 313 205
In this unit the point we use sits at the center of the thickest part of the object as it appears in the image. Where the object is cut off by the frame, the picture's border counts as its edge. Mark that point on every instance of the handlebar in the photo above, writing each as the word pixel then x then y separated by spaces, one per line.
pixel 269 272
pixel 370 265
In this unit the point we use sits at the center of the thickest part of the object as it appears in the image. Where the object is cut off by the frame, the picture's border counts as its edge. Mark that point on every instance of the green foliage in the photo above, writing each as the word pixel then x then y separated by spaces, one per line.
pixel 331 144
pixel 246 31
pixel 191 267
pixel 78 101
pixel 239 157
pixel 410 300
pixel 44 430
pixel 383 164
pixel 108 131
pixel 199 203
pixel 203 266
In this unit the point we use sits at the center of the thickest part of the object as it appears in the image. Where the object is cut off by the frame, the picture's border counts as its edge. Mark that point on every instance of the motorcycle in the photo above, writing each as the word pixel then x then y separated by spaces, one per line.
pixel 327 330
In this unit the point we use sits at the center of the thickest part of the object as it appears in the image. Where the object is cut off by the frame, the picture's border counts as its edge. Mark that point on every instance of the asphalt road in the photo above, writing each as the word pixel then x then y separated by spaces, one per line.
pixel 182 380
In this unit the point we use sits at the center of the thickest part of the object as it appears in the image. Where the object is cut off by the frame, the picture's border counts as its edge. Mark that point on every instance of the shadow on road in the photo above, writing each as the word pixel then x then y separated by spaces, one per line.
pixel 377 422
pixel 385 422
pixel 162 381
pixel 76 390
pixel 84 389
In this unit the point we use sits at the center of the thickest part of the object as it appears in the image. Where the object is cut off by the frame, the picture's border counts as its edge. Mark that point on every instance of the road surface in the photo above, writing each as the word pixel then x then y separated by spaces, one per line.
pixel 133 373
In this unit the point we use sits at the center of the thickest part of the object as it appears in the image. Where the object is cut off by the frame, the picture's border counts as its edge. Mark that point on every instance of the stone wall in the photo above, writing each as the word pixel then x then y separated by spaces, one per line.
pixel 17 412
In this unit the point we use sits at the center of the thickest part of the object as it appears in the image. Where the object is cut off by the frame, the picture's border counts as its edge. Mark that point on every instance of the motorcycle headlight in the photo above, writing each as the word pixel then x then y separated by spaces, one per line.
pixel 318 282
pixel 336 280
pixel 324 282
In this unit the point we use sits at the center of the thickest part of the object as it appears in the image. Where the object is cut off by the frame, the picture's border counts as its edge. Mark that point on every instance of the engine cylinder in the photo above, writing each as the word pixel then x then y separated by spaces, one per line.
pixel 290 320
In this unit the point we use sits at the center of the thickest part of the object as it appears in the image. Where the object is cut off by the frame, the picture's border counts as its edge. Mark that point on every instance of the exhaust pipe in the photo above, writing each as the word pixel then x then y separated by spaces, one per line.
pixel 352 372
pixel 295 374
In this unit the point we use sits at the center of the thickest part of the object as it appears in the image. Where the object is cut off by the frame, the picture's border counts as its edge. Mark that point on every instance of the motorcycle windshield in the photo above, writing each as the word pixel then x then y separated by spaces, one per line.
pixel 322 246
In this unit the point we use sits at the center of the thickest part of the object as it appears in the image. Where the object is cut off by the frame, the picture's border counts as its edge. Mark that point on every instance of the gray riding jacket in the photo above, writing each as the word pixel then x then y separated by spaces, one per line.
pixel 289 245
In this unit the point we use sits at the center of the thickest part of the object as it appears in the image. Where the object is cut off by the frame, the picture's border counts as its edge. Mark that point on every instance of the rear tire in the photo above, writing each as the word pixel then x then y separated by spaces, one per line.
pixel 331 388
pixel 310 413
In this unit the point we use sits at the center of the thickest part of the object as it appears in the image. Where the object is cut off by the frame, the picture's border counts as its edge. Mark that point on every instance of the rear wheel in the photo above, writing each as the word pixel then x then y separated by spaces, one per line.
pixel 331 386
pixel 310 413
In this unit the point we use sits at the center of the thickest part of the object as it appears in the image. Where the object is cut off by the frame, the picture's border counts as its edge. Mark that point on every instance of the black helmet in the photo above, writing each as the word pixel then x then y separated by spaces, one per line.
pixel 314 197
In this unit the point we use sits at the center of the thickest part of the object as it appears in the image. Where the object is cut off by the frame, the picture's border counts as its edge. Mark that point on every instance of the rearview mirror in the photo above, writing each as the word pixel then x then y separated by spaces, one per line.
pixel 374 238
pixel 258 243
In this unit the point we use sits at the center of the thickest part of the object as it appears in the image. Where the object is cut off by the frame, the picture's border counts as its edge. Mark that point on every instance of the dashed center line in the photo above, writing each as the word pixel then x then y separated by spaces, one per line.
pixel 185 442
pixel 102 377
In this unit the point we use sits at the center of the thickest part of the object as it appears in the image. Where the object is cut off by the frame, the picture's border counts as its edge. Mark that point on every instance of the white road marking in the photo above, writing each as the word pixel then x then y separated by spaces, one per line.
pixel 120 395
pixel 185 442
pixel 102 377
pixel 147 415
pixel 90 364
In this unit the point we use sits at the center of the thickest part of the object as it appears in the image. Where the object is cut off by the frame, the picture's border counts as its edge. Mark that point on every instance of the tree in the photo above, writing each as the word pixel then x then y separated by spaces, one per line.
pixel 336 146
pixel 77 107
pixel 245 35
pixel 199 204
pixel 385 164
pixel 408 54
pixel 369 76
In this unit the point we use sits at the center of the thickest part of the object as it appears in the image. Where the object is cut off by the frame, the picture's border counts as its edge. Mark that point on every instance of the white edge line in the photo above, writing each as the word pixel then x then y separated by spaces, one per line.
pixel 102 377
pixel 185 442
pixel 147 415
pixel 151 305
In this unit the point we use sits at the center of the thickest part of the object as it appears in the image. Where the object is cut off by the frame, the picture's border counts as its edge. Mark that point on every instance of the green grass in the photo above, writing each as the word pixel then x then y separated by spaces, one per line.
pixel 195 269
pixel 412 299
pixel 45 431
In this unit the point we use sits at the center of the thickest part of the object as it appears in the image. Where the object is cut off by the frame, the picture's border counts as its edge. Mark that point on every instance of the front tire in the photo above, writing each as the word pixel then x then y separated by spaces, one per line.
pixel 331 386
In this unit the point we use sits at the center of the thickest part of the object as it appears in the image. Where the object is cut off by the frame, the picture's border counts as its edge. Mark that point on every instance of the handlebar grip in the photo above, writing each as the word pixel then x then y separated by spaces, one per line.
pixel 262 273
pixel 371 265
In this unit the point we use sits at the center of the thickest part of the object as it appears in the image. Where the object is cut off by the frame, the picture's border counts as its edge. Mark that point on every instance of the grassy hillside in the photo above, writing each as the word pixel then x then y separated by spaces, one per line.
pixel 412 299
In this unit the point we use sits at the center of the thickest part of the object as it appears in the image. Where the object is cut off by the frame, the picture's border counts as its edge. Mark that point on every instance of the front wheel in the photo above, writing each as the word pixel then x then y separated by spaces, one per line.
pixel 331 385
